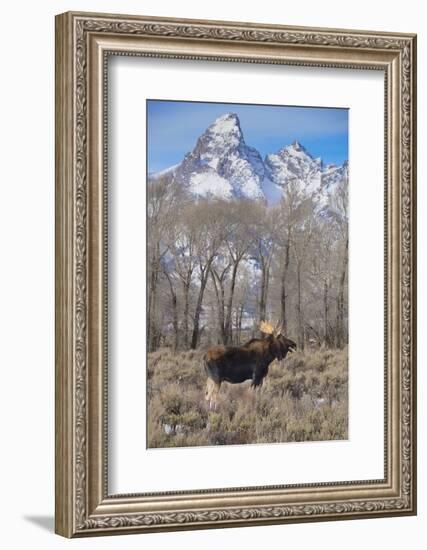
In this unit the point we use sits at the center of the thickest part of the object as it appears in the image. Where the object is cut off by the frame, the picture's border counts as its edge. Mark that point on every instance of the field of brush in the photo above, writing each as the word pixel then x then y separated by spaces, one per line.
pixel 303 398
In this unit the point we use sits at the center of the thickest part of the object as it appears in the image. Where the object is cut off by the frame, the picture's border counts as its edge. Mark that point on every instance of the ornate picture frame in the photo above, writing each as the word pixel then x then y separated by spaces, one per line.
pixel 84 42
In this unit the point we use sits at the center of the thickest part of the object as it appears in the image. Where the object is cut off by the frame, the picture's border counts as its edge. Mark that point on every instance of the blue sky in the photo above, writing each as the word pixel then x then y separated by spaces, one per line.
pixel 174 126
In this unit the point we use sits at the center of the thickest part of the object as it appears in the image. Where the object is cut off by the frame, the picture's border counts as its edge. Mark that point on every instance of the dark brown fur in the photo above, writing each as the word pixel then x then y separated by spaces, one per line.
pixel 248 362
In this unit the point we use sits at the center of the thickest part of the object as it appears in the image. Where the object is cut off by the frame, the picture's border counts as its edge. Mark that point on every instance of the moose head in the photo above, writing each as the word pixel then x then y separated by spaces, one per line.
pixel 279 344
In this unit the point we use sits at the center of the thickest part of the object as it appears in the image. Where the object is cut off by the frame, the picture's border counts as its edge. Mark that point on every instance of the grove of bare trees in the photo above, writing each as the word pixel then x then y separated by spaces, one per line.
pixel 215 268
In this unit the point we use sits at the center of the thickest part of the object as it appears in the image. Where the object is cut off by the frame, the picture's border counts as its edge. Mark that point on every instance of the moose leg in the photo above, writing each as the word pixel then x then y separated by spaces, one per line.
pixel 212 390
pixel 257 381
pixel 217 387
pixel 259 373
pixel 209 387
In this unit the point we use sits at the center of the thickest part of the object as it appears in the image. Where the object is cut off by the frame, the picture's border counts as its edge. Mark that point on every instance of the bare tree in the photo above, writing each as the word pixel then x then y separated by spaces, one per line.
pixel 240 239
pixel 182 244
pixel 161 201
pixel 219 273
pixel 322 272
pixel 240 217
pixel 302 237
pixel 209 217
pixel 263 248
pixel 231 263
pixel 340 297
pixel 291 209
pixel 340 204
pixel 174 304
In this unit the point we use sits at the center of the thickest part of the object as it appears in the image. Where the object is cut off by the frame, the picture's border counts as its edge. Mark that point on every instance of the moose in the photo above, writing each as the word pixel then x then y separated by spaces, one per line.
pixel 247 362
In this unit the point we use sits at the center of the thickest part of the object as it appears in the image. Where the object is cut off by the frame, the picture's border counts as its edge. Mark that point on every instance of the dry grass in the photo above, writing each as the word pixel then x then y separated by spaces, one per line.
pixel 304 398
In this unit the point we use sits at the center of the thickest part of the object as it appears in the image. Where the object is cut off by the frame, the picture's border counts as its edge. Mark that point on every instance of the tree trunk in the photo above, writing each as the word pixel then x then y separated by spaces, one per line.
pixel 265 278
pixel 203 281
pixel 326 310
pixel 299 309
pixel 227 327
pixel 175 322
pixel 220 298
pixel 152 295
pixel 239 324
pixel 186 293
pixel 340 299
pixel 174 304
pixel 283 282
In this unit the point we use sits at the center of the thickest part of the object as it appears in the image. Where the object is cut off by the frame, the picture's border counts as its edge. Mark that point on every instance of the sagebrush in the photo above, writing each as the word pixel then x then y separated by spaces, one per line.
pixel 303 398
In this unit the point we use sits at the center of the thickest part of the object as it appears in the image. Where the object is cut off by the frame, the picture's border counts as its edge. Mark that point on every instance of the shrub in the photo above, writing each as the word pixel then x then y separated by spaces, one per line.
pixel 304 398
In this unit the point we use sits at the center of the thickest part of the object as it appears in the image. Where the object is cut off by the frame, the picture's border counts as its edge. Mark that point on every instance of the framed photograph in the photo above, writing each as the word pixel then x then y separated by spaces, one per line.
pixel 235 274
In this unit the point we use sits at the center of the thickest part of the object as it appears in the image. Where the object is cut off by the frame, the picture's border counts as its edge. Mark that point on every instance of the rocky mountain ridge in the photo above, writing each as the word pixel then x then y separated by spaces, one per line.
pixel 222 165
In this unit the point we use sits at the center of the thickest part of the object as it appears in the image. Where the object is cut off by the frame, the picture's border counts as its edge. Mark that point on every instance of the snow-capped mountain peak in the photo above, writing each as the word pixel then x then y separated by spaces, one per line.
pixel 294 163
pixel 296 147
pixel 222 165
pixel 221 138
pixel 227 126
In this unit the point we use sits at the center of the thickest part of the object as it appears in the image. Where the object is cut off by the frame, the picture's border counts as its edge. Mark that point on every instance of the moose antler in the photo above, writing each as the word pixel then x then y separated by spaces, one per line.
pixel 280 328
pixel 266 328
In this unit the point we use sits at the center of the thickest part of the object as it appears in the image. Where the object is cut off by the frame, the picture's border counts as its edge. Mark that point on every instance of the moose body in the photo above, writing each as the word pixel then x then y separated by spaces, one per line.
pixel 248 362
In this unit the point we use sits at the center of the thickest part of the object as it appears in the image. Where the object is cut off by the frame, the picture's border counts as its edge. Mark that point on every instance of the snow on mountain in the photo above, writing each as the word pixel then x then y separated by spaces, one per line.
pixel 334 175
pixel 222 165
pixel 210 183
pixel 294 163
pixel 272 192
pixel 169 172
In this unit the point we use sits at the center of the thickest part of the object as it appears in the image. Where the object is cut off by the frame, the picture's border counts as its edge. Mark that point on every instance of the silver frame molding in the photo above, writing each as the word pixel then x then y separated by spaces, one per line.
pixel 83 43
